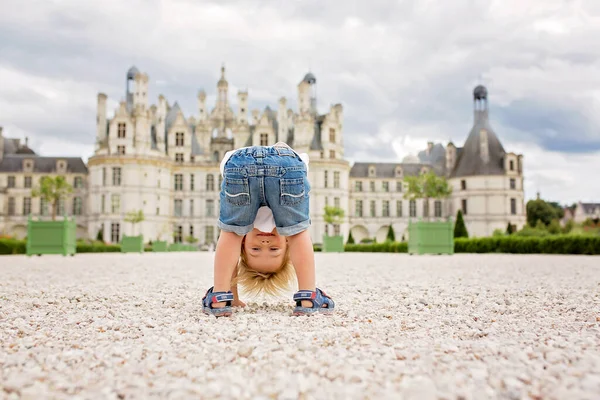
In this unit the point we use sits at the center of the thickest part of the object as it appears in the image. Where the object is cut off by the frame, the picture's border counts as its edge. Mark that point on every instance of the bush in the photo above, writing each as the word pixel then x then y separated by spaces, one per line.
pixel 391 237
pixel 97 248
pixel 386 247
pixel 554 244
pixel 460 230
pixel 12 246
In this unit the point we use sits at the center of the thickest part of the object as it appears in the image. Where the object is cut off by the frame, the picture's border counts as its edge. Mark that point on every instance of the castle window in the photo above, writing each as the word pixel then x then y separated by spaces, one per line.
pixel 331 153
pixel 210 183
pixel 513 206
pixel 336 179
pixel 26 205
pixel 192 182
pixel 385 186
pixel 332 135
pixel 115 203
pixel 398 172
pixel 192 159
pixel 77 206
pixel 103 176
pixel 464 206
pixel 78 182
pixel 385 208
pixel 191 230
pixel 325 180
pixel 27 182
pixel 178 182
pixel 438 208
pixel 358 186
pixel 178 207
pixel 216 156
pixel 121 150
pixel 116 176
pixel 398 208
pixel 121 129
pixel 322 154
pixel 358 208
pixel 398 186
pixel 511 164
pixel 463 184
pixel 178 236
pixel 371 171
pixel 336 202
pixel 11 206
pixel 412 208
pixel 372 186
pixel 179 139
pixel 179 157
pixel 372 209
pixel 210 208
pixel 513 183
pixel 115 232
pixel 264 139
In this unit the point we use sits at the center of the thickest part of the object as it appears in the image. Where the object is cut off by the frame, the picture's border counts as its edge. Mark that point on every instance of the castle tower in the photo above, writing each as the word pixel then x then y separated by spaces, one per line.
pixel 101 121
pixel 222 88
pixel 129 87
pixel 243 107
pixel 307 95
pixel 202 105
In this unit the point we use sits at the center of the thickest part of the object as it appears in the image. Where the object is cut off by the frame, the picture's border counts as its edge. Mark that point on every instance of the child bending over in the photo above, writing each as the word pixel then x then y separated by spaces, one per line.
pixel 264 217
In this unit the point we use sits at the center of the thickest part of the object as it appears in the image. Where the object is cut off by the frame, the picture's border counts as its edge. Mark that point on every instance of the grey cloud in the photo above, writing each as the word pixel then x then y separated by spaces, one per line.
pixel 414 63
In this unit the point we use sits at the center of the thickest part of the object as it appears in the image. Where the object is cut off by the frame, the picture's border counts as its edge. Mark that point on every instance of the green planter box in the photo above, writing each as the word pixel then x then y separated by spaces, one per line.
pixel 132 244
pixel 159 246
pixel 51 237
pixel 182 247
pixel 333 244
pixel 426 237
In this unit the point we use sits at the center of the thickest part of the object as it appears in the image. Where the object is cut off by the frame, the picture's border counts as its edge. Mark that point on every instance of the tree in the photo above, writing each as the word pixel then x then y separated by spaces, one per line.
pixel 569 225
pixel 100 236
pixel 427 186
pixel 510 229
pixel 134 217
pixel 554 227
pixel 52 191
pixel 391 237
pixel 540 210
pixel 460 230
pixel 350 238
pixel 191 240
pixel 333 215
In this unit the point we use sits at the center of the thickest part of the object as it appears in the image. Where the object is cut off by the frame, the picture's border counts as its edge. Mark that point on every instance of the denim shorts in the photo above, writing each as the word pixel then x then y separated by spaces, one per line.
pixel 264 176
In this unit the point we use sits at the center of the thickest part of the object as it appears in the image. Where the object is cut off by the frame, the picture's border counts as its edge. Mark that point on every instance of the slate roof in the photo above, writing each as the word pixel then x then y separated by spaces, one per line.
pixel 386 170
pixel 196 149
pixel 14 163
pixel 436 156
pixel 469 160
pixel 590 208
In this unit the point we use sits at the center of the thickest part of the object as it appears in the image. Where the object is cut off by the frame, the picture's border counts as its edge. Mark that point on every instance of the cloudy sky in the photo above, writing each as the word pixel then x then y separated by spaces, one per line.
pixel 403 70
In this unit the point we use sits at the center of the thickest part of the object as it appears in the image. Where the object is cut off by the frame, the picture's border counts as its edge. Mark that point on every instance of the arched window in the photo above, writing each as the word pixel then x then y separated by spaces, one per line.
pixel 210 183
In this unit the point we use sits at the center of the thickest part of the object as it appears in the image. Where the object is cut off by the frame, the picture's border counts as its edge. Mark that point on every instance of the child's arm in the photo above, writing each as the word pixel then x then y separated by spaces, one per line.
pixel 227 256
pixel 236 297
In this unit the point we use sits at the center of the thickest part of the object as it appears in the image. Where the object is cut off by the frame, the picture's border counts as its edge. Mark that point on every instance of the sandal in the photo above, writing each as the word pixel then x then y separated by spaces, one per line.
pixel 216 297
pixel 321 303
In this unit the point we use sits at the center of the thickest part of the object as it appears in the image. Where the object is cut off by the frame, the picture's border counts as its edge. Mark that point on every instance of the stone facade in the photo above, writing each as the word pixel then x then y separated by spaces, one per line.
pixel 154 158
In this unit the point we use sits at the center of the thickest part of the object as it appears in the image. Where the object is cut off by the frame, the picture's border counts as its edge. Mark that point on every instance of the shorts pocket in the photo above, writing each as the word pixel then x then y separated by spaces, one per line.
pixel 237 191
pixel 293 191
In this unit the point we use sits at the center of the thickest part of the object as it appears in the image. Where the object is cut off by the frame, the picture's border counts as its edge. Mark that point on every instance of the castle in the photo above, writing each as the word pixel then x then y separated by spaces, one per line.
pixel 156 159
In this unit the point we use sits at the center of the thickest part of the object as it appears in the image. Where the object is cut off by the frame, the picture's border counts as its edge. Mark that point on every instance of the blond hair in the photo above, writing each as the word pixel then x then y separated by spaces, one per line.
pixel 272 283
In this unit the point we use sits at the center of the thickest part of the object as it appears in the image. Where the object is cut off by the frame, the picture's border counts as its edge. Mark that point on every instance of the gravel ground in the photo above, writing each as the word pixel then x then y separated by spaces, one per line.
pixel 424 327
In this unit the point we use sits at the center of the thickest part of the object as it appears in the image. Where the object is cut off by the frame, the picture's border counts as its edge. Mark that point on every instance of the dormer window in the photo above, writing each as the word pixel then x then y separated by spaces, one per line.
pixel 28 165
pixel 398 172
pixel 61 166
pixel 372 171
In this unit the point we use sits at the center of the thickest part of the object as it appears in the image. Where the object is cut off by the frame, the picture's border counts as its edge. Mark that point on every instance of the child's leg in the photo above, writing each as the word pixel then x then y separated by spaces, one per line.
pixel 303 258
pixel 227 255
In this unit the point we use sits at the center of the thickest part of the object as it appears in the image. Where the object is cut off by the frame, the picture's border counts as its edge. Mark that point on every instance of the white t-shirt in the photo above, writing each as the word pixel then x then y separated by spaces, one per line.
pixel 264 221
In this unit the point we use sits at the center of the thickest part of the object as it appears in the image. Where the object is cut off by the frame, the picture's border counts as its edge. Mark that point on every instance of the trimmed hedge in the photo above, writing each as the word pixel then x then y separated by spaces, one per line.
pixel 98 248
pixel 559 244
pixel 12 246
pixel 386 247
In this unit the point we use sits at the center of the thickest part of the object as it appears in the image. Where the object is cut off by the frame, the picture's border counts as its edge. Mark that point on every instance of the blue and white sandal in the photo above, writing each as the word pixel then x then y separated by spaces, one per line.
pixel 321 303
pixel 217 297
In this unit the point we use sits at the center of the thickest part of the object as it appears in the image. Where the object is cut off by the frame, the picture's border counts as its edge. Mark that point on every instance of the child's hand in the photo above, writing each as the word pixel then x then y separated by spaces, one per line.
pixel 238 303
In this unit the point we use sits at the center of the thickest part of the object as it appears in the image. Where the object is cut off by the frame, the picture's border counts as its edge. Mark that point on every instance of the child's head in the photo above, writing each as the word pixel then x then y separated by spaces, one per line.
pixel 264 264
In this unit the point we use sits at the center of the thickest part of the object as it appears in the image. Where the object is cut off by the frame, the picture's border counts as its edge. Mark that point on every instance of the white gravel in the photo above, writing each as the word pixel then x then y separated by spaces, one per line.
pixel 424 327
